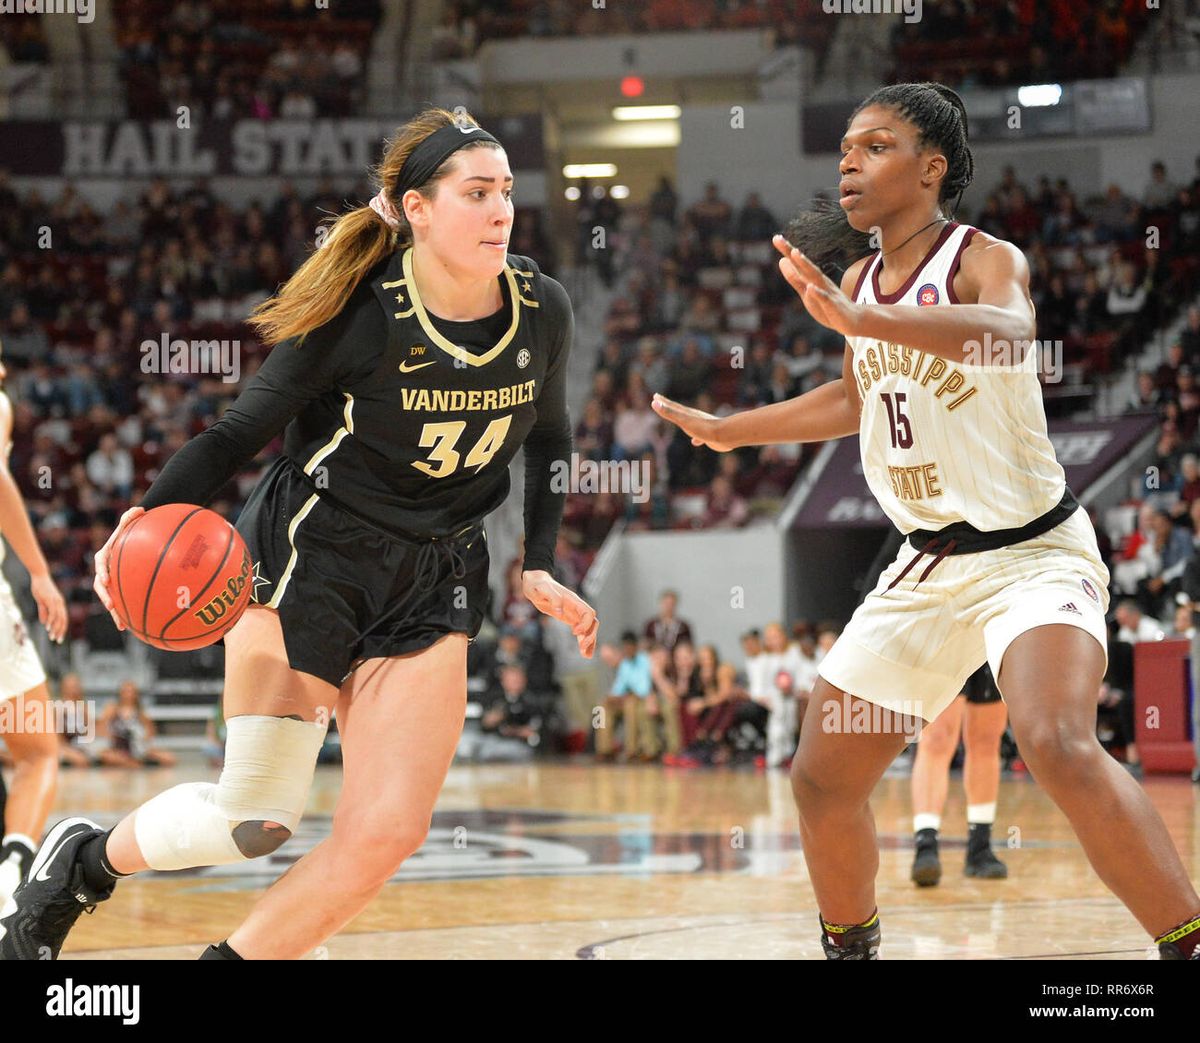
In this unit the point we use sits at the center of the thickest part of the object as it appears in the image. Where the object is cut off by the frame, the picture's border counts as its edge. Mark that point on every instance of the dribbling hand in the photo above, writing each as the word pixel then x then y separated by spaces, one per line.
pixel 101 561
pixel 550 597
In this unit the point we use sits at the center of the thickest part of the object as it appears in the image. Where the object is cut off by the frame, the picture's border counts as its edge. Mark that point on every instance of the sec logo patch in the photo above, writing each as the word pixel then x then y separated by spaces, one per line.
pixel 928 294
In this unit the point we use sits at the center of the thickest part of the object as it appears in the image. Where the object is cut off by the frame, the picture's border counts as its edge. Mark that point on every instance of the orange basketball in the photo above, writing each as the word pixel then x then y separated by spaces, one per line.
pixel 180 577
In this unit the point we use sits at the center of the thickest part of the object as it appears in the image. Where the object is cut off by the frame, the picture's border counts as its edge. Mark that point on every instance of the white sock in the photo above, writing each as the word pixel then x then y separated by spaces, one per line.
pixel 19 838
pixel 981 814
pixel 926 820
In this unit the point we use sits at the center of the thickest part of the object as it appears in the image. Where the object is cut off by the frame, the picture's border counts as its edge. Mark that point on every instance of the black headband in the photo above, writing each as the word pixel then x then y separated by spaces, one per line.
pixel 432 152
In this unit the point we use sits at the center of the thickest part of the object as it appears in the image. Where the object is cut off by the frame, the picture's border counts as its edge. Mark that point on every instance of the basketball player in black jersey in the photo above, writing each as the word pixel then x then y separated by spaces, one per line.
pixel 414 356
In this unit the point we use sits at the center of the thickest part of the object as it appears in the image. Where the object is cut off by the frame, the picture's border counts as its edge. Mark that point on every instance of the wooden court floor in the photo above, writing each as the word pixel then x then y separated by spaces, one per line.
pixel 571 860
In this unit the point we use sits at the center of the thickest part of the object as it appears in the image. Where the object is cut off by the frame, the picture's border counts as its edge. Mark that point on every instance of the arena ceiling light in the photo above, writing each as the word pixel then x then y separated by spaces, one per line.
pixel 647 112
pixel 1039 94
pixel 576 170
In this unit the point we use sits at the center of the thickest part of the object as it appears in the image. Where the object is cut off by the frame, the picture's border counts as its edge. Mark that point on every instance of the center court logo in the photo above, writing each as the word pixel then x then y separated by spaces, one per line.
pixel 911 9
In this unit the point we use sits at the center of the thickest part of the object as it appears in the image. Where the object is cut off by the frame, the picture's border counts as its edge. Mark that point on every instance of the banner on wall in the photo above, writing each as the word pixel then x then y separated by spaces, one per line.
pixel 246 148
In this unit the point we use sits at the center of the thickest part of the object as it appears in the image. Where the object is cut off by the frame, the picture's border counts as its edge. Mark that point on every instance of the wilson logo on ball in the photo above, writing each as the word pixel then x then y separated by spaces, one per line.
pixel 227 599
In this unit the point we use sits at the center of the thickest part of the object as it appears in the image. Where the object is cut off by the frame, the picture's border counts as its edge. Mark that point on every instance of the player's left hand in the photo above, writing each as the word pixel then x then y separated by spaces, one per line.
pixel 547 595
pixel 821 295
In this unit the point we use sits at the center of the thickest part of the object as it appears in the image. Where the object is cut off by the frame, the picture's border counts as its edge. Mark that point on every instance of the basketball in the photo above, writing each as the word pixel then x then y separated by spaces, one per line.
pixel 180 577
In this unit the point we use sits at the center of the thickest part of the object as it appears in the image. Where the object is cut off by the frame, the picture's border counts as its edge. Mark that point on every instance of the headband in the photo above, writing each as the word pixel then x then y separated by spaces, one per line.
pixel 433 151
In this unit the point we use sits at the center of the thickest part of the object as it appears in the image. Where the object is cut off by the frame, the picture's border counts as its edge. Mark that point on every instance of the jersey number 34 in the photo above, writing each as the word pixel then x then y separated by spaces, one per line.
pixel 441 438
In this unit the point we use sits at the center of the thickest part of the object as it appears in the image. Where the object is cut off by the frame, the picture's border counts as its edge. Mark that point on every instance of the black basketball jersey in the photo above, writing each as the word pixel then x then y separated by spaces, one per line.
pixel 404 419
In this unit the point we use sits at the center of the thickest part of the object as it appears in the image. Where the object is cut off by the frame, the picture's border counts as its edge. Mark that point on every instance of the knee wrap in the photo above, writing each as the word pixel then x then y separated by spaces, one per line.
pixel 269 764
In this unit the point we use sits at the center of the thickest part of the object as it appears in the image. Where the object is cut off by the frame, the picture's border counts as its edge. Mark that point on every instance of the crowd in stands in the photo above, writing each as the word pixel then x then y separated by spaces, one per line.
pixel 466 24
pixel 988 43
pixel 228 60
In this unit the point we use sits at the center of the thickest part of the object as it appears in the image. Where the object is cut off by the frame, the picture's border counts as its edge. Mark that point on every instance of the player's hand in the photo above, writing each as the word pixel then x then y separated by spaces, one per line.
pixel 821 295
pixel 547 595
pixel 101 561
pixel 703 427
pixel 52 609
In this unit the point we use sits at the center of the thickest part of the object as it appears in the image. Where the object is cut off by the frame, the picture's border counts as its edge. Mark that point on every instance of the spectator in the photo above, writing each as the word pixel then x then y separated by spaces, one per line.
pixel 593 436
pixel 1159 192
pixel 664 703
pixel 110 468
pixel 690 374
pixel 130 733
pixel 514 713
pixel 635 428
pixel 724 509
pixel 664 201
pixel 778 693
pixel 755 223
pixel 711 215
pixel 1135 625
pixel 1147 398
pixel 576 675
pixel 631 687
pixel 666 628
pixel 77 725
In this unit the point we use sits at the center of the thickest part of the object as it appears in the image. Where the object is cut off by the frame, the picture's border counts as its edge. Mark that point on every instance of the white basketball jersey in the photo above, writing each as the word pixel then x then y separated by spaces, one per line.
pixel 944 441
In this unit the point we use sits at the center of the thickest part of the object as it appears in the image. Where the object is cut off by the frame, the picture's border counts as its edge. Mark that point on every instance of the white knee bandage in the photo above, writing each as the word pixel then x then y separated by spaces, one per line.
pixel 269 764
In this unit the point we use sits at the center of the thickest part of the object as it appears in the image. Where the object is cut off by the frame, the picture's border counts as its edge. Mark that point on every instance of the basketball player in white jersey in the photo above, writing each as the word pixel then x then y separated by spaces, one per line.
pixel 1001 565
pixel 25 726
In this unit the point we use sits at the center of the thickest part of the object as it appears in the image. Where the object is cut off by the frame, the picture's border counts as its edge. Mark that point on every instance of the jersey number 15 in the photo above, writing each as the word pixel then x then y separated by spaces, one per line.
pixel 901 429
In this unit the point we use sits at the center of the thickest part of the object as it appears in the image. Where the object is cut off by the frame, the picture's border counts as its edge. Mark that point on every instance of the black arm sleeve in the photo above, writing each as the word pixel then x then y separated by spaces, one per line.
pixel 548 441
pixel 291 377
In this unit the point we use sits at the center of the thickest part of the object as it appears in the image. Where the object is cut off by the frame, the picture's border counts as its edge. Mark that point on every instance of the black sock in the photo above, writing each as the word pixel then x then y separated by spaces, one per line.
pixel 98 874
pixel 220 951
pixel 979 838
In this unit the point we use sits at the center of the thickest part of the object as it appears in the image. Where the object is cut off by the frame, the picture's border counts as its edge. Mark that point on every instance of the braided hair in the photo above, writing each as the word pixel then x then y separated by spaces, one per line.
pixel 824 233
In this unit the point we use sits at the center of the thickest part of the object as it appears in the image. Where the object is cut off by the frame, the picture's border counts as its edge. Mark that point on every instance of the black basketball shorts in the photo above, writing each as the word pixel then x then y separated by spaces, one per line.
pixel 980 687
pixel 347 591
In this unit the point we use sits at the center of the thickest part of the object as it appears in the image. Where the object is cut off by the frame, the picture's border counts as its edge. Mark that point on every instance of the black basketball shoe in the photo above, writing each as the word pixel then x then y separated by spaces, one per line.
pixel 52 896
pixel 981 861
pixel 927 866
pixel 858 943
